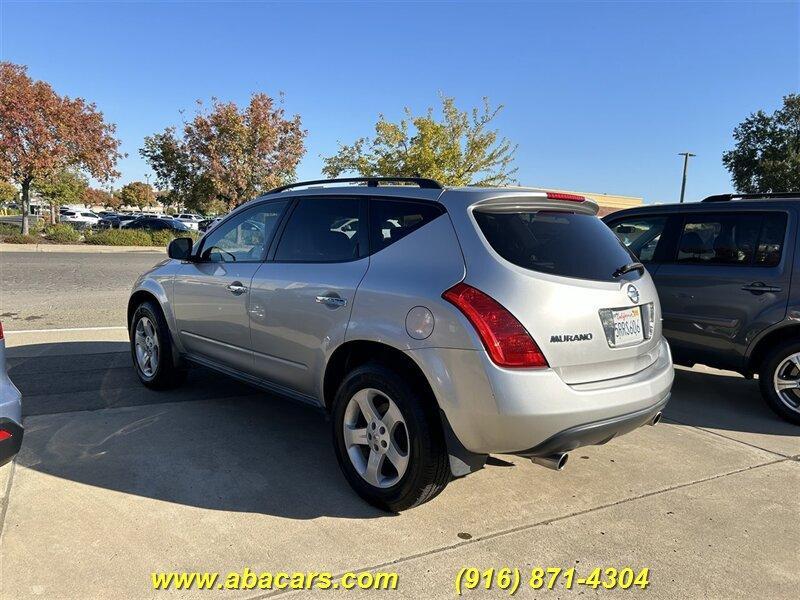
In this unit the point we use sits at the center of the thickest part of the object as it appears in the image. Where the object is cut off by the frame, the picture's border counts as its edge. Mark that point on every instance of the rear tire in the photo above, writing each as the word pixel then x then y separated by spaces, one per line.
pixel 412 440
pixel 779 371
pixel 151 349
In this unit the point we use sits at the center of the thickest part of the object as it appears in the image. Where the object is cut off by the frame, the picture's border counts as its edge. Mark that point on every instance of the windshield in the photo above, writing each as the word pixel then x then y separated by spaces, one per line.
pixel 559 243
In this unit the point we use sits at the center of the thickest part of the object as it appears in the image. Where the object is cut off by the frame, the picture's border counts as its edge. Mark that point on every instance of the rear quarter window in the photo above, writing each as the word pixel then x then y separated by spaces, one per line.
pixel 392 220
pixel 558 243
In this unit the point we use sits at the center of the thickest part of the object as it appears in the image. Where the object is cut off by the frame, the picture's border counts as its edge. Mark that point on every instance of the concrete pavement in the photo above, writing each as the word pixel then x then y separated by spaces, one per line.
pixel 115 481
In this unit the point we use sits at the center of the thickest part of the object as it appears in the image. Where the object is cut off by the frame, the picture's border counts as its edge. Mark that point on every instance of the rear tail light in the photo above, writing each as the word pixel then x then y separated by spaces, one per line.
pixel 508 343
pixel 563 196
pixel 4 435
pixel 1 330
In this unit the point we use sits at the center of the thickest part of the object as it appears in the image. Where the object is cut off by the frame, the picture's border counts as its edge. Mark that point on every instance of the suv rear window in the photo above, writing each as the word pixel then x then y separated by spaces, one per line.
pixel 559 243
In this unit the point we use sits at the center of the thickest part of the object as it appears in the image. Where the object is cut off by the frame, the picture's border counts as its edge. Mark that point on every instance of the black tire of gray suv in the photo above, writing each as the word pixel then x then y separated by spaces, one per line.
pixel 428 470
pixel 167 374
pixel 766 375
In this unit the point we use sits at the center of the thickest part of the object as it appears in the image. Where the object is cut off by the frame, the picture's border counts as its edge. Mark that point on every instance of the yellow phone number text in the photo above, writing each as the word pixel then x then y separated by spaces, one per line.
pixel 509 579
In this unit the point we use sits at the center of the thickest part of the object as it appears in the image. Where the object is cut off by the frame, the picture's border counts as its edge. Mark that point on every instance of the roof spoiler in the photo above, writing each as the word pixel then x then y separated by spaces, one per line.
pixel 539 200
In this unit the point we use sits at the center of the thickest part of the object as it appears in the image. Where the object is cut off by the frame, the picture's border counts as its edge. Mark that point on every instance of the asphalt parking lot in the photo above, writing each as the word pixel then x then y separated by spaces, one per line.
pixel 115 481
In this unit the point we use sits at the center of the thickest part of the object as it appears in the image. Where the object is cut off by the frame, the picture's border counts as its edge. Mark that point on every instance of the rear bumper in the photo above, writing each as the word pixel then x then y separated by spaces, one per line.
pixel 594 434
pixel 10 446
pixel 507 411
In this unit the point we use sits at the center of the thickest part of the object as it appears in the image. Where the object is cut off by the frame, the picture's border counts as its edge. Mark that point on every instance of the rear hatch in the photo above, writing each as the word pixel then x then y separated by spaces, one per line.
pixel 561 272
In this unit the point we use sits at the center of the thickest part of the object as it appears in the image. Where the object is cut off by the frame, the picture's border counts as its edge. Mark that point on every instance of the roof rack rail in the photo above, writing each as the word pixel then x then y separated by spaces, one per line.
pixel 422 182
pixel 766 196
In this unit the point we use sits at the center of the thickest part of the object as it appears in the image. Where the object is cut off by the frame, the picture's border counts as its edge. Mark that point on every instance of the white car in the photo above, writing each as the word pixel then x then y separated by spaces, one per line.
pixel 83 217
pixel 191 220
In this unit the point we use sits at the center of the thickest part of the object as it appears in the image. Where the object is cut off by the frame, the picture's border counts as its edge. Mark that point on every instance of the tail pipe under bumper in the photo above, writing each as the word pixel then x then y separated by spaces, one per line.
pixel 552 453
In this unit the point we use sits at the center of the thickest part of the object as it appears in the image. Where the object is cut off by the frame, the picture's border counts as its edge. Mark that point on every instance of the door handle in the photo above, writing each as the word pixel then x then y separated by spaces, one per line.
pixel 236 288
pixel 331 301
pixel 759 288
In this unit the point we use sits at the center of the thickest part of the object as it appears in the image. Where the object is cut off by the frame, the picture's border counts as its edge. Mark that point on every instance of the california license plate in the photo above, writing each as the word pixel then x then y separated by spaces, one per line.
pixel 627 326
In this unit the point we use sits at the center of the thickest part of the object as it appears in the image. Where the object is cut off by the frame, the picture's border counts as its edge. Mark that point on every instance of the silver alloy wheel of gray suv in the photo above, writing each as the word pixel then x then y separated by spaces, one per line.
pixel 434 325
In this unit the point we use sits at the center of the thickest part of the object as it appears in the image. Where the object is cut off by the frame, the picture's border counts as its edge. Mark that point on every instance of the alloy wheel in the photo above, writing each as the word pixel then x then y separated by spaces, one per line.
pixel 786 381
pixel 376 438
pixel 147 347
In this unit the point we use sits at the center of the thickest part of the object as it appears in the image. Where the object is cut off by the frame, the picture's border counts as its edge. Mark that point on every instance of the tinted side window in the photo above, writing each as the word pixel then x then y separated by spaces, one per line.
pixel 392 220
pixel 322 230
pixel 770 241
pixel 245 236
pixel 732 239
pixel 641 235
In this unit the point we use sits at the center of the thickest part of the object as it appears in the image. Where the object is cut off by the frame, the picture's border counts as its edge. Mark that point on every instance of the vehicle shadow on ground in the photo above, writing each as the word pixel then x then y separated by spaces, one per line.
pixel 218 444
pixel 723 400
pixel 213 443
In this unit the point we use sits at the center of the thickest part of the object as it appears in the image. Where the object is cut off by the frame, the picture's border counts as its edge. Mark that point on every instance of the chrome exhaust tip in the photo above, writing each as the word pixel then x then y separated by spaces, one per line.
pixel 556 462
pixel 655 420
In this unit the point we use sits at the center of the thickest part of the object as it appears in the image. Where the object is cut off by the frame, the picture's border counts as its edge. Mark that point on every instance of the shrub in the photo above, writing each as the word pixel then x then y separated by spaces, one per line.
pixel 161 238
pixel 18 238
pixel 9 228
pixel 62 233
pixel 120 237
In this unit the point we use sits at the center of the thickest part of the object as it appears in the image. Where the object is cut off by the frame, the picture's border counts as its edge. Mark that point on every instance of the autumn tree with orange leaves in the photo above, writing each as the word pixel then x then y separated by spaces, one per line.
pixel 42 133
pixel 226 154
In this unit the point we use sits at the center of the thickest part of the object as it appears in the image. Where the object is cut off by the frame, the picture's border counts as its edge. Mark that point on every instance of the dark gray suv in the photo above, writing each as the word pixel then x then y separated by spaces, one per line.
pixel 729 283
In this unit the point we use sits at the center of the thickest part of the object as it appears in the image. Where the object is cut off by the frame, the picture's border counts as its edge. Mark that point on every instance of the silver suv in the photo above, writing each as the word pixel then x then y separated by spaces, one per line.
pixel 434 325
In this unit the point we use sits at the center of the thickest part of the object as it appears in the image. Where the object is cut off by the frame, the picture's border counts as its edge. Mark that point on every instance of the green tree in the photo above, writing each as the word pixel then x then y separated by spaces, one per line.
pixel 458 149
pixel 137 193
pixel 62 187
pixel 226 154
pixel 8 191
pixel 767 153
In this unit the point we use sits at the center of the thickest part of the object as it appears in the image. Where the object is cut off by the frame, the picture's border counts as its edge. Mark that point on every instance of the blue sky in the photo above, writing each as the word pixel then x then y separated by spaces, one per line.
pixel 599 96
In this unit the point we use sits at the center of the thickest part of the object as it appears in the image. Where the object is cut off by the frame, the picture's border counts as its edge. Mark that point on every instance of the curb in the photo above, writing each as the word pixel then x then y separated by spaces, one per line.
pixel 80 248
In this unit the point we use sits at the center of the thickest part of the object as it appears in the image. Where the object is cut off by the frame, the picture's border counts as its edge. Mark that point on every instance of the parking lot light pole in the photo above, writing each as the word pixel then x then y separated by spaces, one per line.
pixel 685 156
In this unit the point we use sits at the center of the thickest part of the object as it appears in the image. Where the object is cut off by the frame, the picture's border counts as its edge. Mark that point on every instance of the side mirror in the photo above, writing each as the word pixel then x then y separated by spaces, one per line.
pixel 180 248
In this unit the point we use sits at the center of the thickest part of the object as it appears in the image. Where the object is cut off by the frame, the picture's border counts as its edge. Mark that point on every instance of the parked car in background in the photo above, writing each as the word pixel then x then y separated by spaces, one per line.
pixel 207 224
pixel 728 276
pixel 79 218
pixel 191 220
pixel 156 224
pixel 115 221
pixel 10 410
pixel 489 320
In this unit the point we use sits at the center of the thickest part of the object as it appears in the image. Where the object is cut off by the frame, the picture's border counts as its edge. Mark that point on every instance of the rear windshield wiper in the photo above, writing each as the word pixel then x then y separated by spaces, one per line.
pixel 634 266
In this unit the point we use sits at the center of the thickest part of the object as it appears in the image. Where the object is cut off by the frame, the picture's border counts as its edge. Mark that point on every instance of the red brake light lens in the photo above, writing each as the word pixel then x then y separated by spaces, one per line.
pixel 563 196
pixel 506 340
pixel 4 435
pixel 1 330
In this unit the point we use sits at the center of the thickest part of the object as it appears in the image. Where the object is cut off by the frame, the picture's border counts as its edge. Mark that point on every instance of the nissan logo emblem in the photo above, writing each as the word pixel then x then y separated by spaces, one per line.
pixel 633 294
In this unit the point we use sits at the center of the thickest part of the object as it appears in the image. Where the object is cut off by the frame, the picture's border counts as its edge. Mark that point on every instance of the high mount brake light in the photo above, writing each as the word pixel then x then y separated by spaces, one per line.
pixel 506 340
pixel 563 196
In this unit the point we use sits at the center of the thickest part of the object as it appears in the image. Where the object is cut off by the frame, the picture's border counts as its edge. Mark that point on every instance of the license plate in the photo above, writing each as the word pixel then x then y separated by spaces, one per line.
pixel 627 326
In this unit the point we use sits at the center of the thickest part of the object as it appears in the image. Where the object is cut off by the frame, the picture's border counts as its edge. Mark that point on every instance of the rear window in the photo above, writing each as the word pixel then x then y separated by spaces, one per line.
pixel 559 243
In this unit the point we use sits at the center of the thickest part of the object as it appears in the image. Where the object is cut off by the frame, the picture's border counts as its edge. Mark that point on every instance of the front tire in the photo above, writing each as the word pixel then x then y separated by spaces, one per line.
pixel 388 439
pixel 151 349
pixel 779 378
